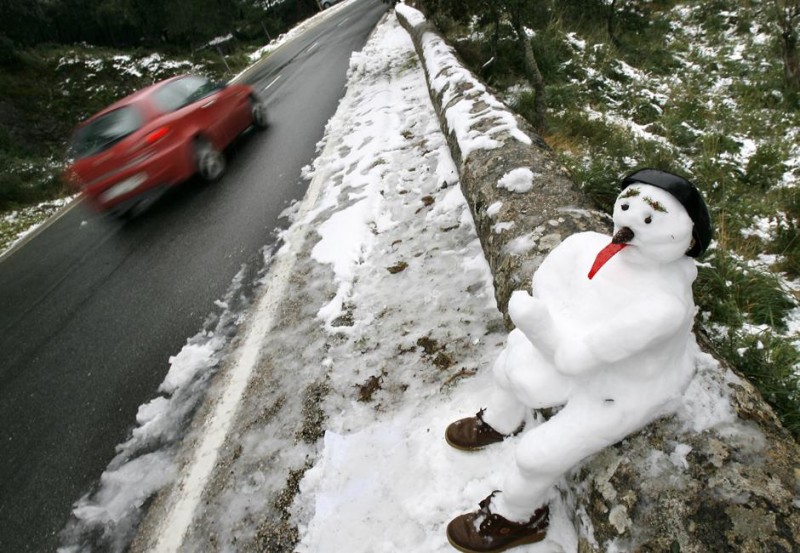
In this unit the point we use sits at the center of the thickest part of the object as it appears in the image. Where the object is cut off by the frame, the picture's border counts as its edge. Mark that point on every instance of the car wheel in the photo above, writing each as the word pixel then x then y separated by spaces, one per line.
pixel 326 5
pixel 259 112
pixel 210 161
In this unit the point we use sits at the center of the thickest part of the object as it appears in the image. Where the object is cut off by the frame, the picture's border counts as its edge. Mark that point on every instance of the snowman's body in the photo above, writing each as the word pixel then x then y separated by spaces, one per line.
pixel 615 350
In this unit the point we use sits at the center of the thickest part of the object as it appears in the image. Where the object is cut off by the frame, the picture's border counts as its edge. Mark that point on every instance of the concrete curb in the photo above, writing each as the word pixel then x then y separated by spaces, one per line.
pixel 521 228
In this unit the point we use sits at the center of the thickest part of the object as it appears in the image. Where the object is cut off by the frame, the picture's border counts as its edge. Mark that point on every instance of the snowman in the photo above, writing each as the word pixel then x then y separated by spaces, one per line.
pixel 606 335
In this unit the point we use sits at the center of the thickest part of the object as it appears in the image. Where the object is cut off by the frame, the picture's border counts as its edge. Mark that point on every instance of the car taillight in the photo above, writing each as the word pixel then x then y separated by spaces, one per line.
pixel 156 135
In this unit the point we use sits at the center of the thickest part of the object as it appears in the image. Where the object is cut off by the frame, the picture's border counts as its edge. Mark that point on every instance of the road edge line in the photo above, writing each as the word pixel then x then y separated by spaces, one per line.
pixel 186 493
pixel 41 228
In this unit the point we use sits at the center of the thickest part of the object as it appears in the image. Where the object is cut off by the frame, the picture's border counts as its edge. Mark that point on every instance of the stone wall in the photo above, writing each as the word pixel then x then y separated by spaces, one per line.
pixel 720 476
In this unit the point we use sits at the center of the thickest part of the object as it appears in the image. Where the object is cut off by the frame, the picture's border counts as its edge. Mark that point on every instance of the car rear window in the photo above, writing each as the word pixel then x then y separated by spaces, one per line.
pixel 182 92
pixel 105 131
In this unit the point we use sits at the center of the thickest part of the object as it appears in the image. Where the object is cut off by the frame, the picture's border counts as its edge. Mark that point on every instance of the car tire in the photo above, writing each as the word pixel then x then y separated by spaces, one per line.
pixel 326 5
pixel 210 161
pixel 258 110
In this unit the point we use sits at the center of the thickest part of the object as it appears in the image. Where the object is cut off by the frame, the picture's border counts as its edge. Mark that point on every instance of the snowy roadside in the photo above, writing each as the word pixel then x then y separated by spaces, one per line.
pixel 412 312
pixel 387 334
pixel 339 443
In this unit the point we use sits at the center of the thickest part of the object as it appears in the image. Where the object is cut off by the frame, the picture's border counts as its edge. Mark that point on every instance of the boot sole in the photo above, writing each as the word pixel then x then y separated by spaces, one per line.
pixel 534 538
pixel 466 448
pixel 480 447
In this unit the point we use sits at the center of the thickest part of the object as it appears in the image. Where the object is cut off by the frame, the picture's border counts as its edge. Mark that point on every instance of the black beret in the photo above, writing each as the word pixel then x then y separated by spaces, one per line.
pixel 687 194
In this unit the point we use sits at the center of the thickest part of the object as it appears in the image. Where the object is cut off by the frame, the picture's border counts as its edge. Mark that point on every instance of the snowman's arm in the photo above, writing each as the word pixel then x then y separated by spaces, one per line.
pixel 531 316
pixel 624 334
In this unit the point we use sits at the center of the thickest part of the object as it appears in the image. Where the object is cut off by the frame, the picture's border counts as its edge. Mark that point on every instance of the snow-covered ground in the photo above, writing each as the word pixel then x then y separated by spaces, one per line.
pixel 415 291
pixel 384 332
pixel 407 329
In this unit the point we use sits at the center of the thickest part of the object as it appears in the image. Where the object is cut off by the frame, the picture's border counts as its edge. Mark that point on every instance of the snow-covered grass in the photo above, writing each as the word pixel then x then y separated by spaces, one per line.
pixel 708 102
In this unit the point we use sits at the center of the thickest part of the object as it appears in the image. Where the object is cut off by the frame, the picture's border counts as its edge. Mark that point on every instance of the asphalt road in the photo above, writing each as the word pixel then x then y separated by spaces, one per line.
pixel 92 308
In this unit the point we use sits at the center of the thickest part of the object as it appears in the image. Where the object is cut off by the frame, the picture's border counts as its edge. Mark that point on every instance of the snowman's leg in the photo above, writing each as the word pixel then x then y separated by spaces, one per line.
pixel 504 412
pixel 523 379
pixel 582 428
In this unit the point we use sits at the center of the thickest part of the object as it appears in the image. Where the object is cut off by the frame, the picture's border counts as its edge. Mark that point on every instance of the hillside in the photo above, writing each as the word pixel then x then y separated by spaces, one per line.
pixel 694 87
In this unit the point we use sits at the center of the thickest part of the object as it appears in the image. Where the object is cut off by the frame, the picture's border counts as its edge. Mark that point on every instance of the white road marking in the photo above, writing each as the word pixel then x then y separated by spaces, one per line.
pixel 272 82
pixel 187 492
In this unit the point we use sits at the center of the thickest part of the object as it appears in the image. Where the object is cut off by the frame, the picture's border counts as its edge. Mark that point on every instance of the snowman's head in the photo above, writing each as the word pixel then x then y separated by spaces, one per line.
pixel 652 223
pixel 689 197
pixel 661 215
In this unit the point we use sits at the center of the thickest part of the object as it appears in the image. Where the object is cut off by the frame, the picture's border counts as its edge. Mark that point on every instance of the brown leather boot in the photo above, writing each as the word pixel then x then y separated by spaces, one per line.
pixel 487 532
pixel 472 433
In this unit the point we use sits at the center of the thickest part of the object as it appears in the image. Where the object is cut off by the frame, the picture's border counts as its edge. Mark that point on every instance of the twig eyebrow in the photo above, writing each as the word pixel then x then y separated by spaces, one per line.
pixel 656 205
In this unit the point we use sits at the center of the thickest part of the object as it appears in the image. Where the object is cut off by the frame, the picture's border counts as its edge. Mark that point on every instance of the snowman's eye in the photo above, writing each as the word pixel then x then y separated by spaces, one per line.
pixel 624 207
pixel 648 220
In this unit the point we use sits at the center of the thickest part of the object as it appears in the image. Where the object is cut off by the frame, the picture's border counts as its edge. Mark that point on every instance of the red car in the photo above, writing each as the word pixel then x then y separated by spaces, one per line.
pixel 158 137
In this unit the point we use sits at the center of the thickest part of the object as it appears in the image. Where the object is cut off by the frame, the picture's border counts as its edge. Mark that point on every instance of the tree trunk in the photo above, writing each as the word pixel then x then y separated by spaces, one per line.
pixel 788 15
pixel 534 77
pixel 494 41
pixel 791 60
pixel 495 32
pixel 612 23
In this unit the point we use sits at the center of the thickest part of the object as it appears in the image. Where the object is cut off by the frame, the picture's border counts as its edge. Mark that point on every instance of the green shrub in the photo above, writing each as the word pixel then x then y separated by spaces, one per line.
pixel 525 105
pixel 599 179
pixel 735 295
pixel 8 53
pixel 787 238
pixel 562 96
pixel 765 168
pixel 772 364
pixel 551 51
pixel 26 182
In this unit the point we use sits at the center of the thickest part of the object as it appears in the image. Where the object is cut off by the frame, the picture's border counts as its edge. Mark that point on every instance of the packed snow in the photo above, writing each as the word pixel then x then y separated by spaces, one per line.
pixel 614 349
pixel 517 180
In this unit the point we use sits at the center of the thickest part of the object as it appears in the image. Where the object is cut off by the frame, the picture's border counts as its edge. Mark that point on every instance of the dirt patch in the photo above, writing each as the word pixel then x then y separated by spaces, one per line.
pixel 368 388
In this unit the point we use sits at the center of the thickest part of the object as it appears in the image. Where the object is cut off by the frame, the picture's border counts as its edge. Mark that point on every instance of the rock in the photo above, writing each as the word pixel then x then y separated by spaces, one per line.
pixel 722 474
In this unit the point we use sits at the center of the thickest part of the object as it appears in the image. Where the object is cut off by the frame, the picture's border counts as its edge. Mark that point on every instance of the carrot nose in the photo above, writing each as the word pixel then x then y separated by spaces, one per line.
pixel 623 236
pixel 618 243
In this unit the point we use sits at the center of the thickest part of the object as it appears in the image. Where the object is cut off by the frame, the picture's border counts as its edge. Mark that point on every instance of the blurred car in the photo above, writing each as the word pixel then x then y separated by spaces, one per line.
pixel 158 137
